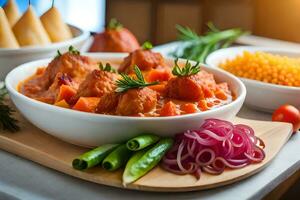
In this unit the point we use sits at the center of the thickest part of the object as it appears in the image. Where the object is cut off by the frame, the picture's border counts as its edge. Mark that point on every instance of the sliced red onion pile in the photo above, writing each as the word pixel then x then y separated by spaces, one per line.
pixel 216 145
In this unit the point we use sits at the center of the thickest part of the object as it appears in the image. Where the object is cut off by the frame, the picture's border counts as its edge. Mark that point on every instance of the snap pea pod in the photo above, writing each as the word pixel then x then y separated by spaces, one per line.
pixel 143 161
pixel 117 158
pixel 93 157
pixel 141 142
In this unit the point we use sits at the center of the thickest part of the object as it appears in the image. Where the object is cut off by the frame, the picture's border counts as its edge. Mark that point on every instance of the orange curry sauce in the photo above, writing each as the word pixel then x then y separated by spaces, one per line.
pixel 75 82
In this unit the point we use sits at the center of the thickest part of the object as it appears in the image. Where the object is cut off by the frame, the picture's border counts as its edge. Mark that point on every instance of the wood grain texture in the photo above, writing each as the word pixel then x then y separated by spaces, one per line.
pixel 33 144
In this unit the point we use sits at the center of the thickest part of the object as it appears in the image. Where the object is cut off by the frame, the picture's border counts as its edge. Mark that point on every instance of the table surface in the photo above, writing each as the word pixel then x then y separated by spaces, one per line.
pixel 23 179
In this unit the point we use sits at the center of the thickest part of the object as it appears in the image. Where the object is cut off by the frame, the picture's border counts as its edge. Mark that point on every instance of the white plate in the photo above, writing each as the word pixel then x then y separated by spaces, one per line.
pixel 260 95
pixel 11 57
pixel 89 129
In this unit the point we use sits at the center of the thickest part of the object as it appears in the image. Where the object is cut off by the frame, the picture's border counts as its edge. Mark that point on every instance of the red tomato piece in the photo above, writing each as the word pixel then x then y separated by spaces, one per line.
pixel 287 113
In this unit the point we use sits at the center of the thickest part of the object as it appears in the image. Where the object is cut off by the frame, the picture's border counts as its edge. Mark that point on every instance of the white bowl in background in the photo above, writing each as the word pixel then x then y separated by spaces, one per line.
pixel 90 129
pixel 12 57
pixel 261 96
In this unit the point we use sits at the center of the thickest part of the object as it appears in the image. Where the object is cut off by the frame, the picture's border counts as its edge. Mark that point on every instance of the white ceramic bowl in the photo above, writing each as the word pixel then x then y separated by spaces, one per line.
pixel 10 58
pixel 261 96
pixel 89 129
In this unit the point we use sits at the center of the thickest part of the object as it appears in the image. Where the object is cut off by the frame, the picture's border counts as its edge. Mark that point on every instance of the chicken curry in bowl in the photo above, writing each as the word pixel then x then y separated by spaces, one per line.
pixel 142 85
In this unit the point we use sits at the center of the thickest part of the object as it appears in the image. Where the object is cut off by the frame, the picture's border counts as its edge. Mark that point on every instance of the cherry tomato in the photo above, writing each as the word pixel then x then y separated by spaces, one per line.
pixel 287 113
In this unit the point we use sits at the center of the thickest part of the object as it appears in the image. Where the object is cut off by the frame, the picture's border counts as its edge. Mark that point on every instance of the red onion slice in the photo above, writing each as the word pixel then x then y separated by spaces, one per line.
pixel 216 145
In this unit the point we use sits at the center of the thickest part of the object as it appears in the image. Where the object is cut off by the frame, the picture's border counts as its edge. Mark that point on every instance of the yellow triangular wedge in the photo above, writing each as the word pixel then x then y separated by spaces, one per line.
pixel 7 38
pixel 56 28
pixel 30 31
pixel 12 12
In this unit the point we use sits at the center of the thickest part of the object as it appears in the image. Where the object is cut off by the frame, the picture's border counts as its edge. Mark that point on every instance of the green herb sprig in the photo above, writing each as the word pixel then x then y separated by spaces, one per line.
pixel 128 82
pixel 187 70
pixel 198 47
pixel 107 67
pixel 7 121
pixel 71 50
pixel 147 45
pixel 114 24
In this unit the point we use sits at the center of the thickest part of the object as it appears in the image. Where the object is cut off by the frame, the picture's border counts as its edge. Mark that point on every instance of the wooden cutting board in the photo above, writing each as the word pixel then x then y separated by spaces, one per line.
pixel 33 144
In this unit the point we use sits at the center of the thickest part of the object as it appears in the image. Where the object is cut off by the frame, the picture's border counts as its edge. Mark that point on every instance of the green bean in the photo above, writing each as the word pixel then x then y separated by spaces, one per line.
pixel 143 161
pixel 93 157
pixel 141 142
pixel 117 158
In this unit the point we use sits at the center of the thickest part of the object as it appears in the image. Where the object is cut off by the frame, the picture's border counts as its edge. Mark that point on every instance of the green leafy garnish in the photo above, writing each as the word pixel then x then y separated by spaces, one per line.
pixel 185 33
pixel 107 67
pixel 73 50
pixel 114 24
pixel 7 121
pixel 187 70
pixel 147 45
pixel 58 54
pixel 198 47
pixel 128 82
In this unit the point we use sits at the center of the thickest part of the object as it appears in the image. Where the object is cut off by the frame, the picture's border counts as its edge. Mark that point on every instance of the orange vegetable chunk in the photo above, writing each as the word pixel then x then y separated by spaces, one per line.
pixel 188 108
pixel 86 104
pixel 169 109
pixel 202 104
pixel 66 92
pixel 220 94
pixel 160 88
pixel 62 103
pixel 158 75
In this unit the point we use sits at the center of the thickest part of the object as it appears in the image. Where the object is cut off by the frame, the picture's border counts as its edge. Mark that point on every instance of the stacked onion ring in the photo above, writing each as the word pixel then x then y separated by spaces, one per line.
pixel 216 145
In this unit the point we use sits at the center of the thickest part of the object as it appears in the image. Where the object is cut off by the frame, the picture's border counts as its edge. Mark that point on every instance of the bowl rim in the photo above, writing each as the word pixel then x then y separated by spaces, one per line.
pixel 83 35
pixel 33 64
pixel 238 49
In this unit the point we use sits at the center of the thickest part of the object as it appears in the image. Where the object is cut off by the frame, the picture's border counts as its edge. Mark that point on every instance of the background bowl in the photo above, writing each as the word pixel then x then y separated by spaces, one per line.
pixel 89 129
pixel 10 58
pixel 261 96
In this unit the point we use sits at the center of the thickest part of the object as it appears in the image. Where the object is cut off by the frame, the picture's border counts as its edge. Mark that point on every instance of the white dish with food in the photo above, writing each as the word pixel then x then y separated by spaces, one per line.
pixel 260 95
pixel 90 129
pixel 11 57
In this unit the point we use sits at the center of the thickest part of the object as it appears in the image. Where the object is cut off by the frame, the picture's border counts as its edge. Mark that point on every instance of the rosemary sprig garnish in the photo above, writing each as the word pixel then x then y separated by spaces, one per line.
pixel 128 82
pixel 114 24
pixel 7 121
pixel 187 70
pixel 198 47
pixel 147 45
pixel 107 67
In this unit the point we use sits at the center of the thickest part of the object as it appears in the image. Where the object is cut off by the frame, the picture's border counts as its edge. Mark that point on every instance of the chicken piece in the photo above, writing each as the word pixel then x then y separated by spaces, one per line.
pixel 191 88
pixel 96 84
pixel 144 59
pixel 74 65
pixel 108 103
pixel 136 101
pixel 70 65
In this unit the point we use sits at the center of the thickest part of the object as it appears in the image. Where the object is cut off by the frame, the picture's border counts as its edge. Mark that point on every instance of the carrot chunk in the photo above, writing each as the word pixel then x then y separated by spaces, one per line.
pixel 169 109
pixel 158 88
pixel 220 94
pixel 202 104
pixel 86 104
pixel 158 75
pixel 188 108
pixel 66 92
pixel 62 103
